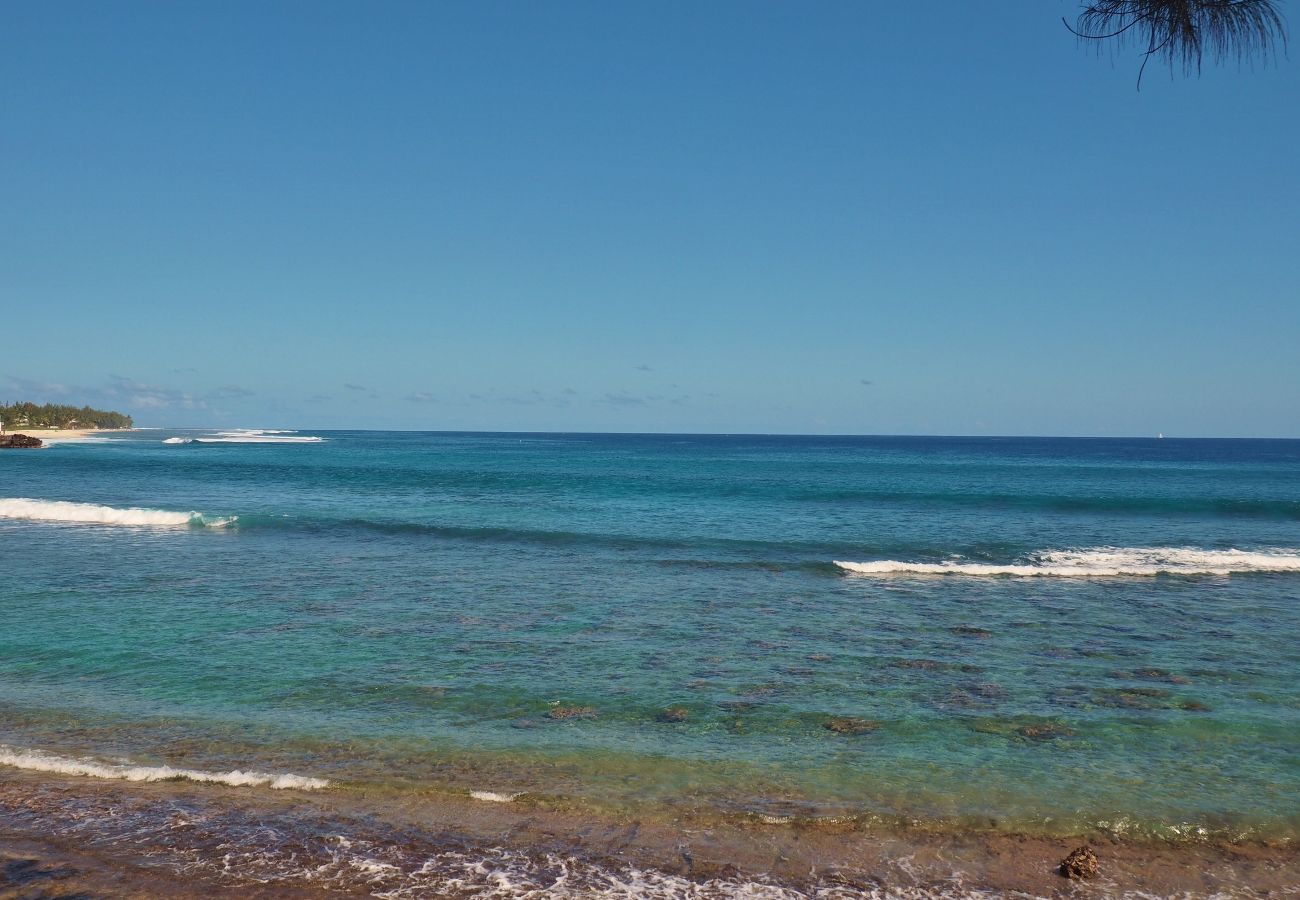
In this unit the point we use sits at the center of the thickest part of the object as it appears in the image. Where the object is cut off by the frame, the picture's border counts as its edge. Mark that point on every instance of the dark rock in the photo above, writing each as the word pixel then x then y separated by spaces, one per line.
pixel 819 657
pixel 674 714
pixel 916 664
pixel 972 631
pixel 850 725
pixel 20 442
pixel 1081 863
pixel 1193 706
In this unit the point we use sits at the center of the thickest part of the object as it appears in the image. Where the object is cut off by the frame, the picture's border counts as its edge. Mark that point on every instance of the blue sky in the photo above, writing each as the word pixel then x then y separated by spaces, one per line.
pixel 671 216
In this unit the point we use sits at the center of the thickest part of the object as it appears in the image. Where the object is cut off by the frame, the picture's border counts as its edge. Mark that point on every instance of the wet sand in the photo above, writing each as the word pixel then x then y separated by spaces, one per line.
pixel 61 837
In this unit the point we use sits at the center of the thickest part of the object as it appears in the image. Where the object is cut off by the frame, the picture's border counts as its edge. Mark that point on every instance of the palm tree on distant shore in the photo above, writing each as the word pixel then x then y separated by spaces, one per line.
pixel 1184 31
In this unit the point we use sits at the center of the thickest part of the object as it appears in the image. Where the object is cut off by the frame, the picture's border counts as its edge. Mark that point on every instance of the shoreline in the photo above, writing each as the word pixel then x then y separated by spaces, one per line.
pixel 64 434
pixel 730 793
pixel 165 835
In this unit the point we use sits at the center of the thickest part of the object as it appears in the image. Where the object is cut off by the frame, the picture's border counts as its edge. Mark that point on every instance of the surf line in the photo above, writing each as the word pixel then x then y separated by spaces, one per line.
pixel 94 514
pixel 40 761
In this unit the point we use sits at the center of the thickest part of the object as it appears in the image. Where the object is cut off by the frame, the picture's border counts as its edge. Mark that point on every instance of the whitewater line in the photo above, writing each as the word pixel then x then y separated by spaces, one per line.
pixel 1100 562
pixel 93 514
pixel 40 761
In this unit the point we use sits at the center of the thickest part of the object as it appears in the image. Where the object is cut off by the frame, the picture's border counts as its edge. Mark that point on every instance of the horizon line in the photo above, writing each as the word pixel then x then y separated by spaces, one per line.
pixel 1083 437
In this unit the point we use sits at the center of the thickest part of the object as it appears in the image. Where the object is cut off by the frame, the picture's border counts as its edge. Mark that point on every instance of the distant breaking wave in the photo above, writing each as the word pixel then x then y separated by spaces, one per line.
pixel 39 761
pixel 89 513
pixel 1101 562
pixel 249 436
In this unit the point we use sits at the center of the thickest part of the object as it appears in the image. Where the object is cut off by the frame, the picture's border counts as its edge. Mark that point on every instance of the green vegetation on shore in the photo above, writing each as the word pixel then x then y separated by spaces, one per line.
pixel 56 415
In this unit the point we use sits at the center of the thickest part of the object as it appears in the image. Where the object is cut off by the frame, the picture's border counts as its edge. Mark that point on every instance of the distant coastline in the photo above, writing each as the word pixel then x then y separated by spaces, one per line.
pixel 22 415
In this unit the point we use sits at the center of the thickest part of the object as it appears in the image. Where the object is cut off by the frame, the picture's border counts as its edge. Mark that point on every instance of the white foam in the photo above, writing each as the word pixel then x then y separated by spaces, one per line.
pixel 40 761
pixel 1101 562
pixel 248 437
pixel 493 796
pixel 259 431
pixel 90 513
pixel 82 439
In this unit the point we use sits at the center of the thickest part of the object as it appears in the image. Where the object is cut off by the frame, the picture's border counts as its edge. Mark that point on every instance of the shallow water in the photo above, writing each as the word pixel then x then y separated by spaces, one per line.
pixel 517 614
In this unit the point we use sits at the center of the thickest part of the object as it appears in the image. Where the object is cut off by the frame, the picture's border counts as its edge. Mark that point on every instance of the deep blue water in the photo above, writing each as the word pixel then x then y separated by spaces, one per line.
pixel 1112 641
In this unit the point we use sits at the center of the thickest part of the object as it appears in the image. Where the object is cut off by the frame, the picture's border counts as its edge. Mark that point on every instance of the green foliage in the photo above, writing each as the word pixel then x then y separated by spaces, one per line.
pixel 56 415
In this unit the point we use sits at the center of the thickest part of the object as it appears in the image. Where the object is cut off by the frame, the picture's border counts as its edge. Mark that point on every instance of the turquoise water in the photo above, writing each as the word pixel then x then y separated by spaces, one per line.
pixel 1027 633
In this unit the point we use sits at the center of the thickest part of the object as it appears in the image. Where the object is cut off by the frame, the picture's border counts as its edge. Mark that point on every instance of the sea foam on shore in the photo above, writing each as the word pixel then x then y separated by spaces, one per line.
pixel 40 761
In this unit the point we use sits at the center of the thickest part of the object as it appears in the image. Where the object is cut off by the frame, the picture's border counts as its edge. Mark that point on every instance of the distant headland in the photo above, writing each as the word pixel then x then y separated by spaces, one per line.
pixel 21 422
pixel 55 415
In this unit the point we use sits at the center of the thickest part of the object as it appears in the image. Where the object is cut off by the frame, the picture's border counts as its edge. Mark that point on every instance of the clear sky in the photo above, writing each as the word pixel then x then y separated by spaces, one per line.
pixel 743 216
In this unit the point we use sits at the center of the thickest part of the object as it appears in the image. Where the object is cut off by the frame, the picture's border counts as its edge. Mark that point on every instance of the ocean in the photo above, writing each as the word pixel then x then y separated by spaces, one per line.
pixel 760 637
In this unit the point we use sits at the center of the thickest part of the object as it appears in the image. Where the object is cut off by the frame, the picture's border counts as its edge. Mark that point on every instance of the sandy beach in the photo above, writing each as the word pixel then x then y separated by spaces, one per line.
pixel 64 434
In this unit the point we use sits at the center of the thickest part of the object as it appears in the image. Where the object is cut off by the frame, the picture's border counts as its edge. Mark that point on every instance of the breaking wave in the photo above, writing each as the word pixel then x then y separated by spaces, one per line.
pixel 259 436
pixel 1100 562
pixel 90 513
pixel 40 761
pixel 249 436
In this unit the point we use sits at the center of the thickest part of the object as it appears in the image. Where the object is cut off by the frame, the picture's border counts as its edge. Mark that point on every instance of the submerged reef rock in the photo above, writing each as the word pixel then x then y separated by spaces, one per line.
pixel 674 714
pixel 1080 863
pixel 1162 675
pixel 916 664
pixel 737 705
pixel 1143 699
pixel 572 712
pixel 1044 731
pixel 1038 730
pixel 972 631
pixel 1133 698
pixel 19 442
pixel 973 695
pixel 850 725
pixel 1151 674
